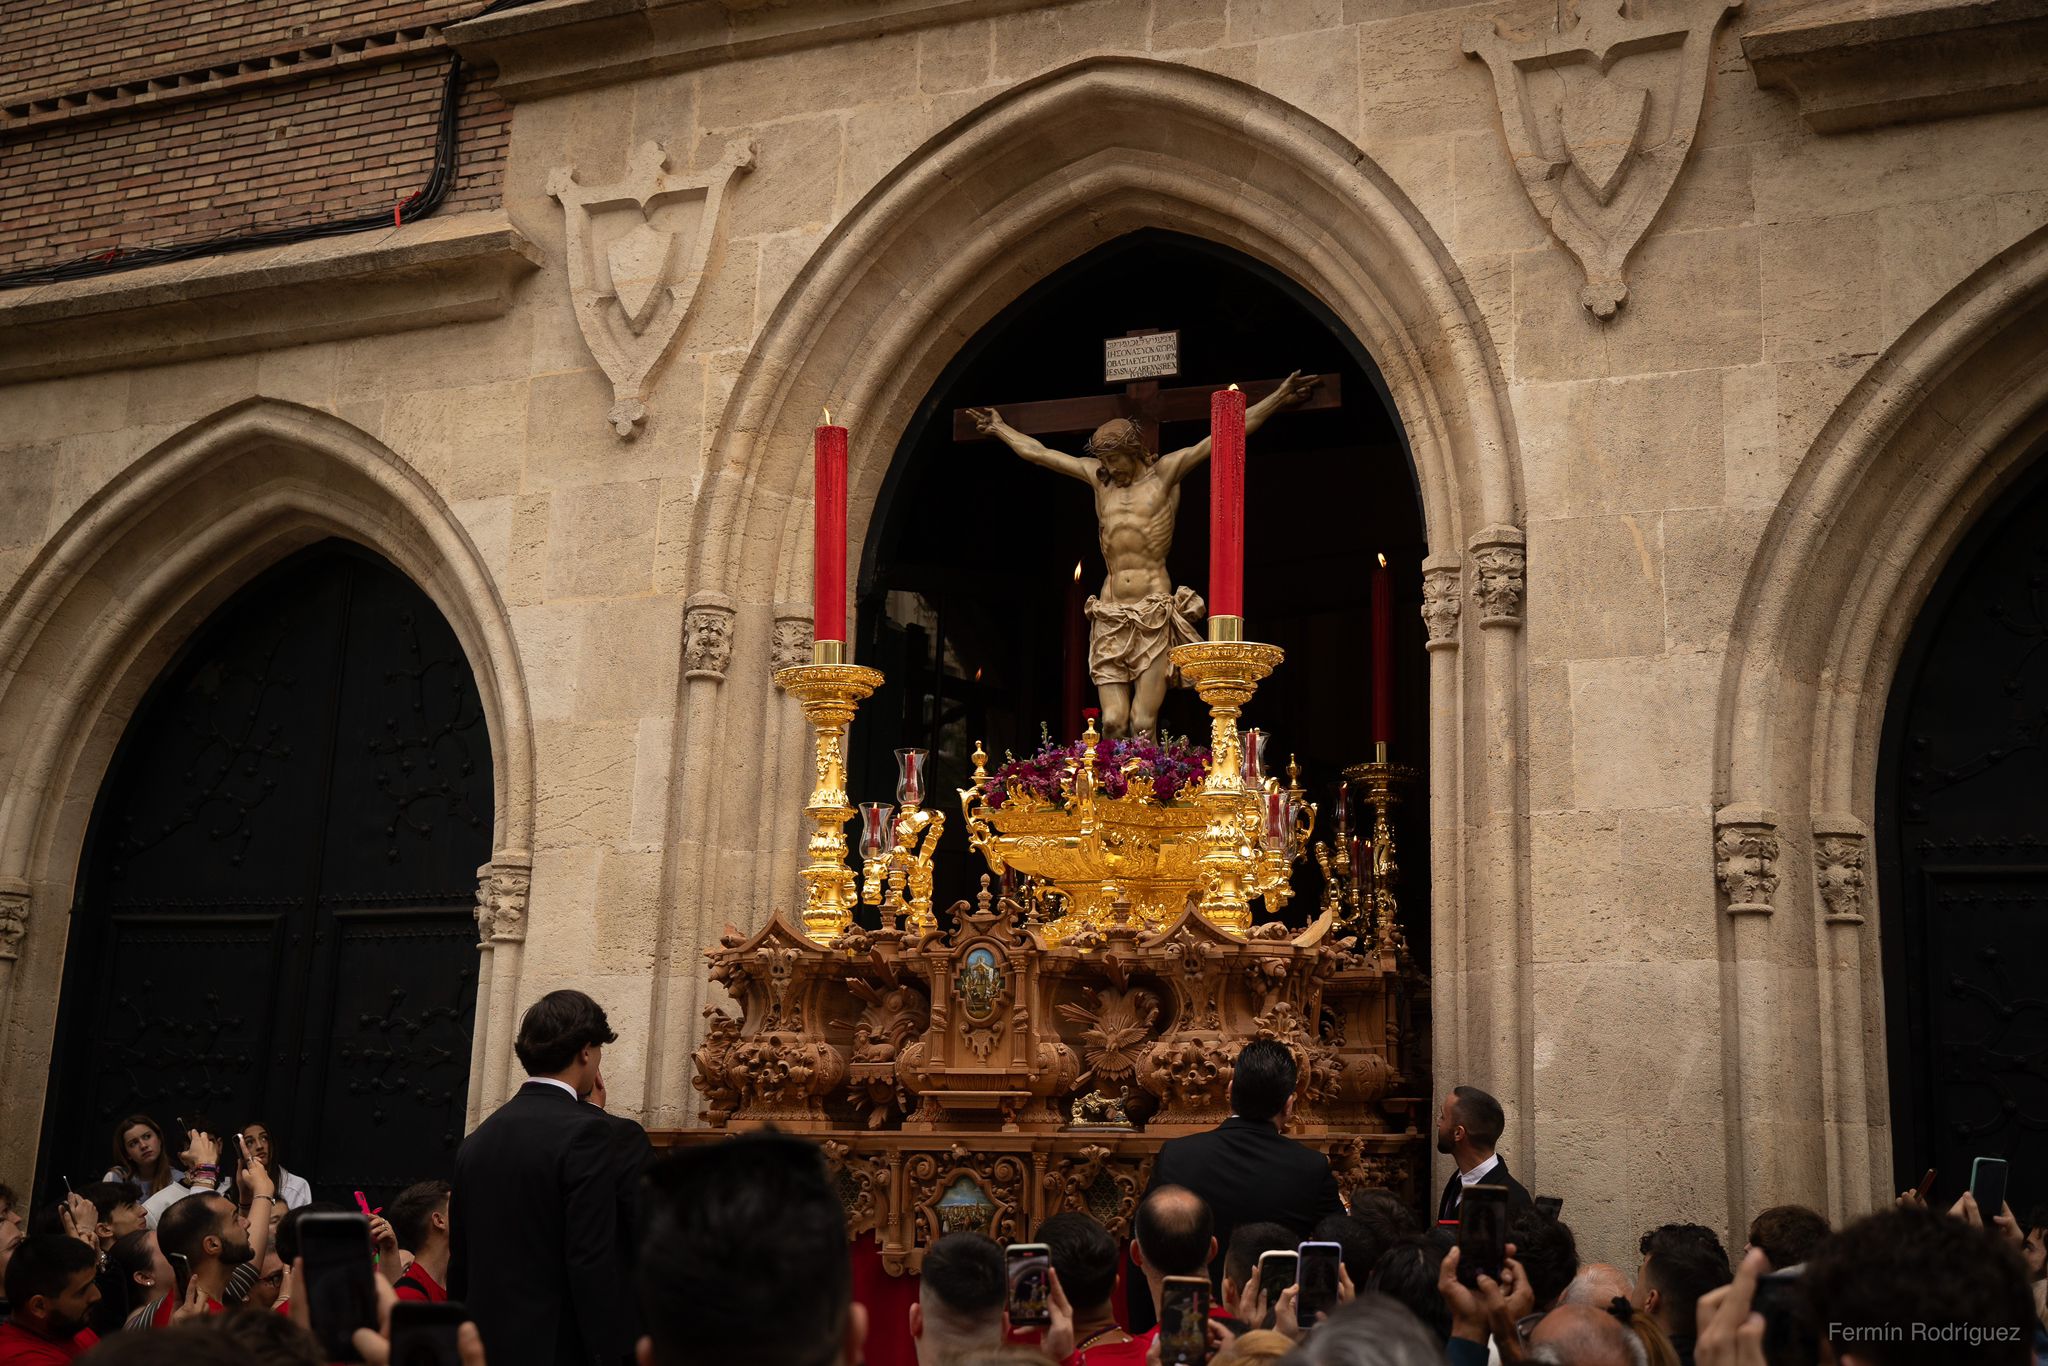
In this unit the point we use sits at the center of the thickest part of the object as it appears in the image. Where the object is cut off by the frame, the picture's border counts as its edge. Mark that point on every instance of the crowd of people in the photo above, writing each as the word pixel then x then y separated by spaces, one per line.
pixel 562 1240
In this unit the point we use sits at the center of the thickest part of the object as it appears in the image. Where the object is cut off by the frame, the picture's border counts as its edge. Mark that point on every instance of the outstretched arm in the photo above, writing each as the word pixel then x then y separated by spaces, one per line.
pixel 1037 452
pixel 1292 390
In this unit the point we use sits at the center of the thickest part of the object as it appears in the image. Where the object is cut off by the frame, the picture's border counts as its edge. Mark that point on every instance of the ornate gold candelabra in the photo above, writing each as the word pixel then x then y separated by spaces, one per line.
pixel 830 691
pixel 1226 673
pixel 1378 910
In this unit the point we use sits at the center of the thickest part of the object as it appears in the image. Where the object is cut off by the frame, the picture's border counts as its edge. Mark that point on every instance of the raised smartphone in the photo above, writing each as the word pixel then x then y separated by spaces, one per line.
pixel 1482 1233
pixel 341 1287
pixel 1184 1321
pixel 1030 1269
pixel 1316 1272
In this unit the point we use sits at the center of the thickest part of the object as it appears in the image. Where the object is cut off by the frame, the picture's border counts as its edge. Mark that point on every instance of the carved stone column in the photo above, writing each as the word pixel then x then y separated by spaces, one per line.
pixel 1746 873
pixel 1442 606
pixel 707 636
pixel 1499 1013
pixel 1841 847
pixel 503 888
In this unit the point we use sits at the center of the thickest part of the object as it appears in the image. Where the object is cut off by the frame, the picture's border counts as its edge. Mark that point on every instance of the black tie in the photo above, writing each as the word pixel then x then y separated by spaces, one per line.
pixel 1447 1208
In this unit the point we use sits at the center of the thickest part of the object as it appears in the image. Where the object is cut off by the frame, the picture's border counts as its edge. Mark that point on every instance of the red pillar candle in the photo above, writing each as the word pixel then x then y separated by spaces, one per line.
pixel 828 546
pixel 1226 503
pixel 1382 653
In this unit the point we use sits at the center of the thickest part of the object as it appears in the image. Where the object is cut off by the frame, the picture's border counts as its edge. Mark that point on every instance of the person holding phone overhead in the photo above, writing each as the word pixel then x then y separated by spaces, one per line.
pixel 535 1248
pixel 1467 1128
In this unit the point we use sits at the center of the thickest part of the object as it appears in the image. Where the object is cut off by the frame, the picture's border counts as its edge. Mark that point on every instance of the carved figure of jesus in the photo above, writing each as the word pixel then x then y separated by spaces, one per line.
pixel 1139 616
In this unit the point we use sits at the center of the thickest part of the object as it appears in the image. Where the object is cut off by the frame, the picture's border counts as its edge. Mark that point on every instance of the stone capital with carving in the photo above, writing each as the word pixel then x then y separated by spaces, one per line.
pixel 707 636
pixel 1841 850
pixel 502 888
pixel 14 899
pixel 1746 858
pixel 1500 559
pixel 1599 118
pixel 1441 602
pixel 792 641
pixel 637 252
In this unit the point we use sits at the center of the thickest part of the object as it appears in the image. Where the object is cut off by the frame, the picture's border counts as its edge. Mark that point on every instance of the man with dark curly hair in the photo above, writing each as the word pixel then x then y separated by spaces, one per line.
pixel 1908 1286
pixel 1681 1262
pixel 1788 1234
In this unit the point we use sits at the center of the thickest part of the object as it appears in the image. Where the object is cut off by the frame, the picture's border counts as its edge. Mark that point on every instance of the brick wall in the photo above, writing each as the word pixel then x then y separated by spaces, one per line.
pixel 234 156
pixel 51 45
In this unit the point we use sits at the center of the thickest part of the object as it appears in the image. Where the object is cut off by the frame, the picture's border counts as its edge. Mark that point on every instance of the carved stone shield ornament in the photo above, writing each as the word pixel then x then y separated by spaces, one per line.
pixel 637 250
pixel 1598 154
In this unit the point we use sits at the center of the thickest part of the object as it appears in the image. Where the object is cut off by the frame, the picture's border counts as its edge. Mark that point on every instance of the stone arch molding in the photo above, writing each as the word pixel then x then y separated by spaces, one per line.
pixel 1919 449
pixel 99 612
pixel 1010 193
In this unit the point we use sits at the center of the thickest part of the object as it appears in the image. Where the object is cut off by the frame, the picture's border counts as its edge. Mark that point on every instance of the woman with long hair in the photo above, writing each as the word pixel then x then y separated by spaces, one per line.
pixel 142 1155
pixel 292 1191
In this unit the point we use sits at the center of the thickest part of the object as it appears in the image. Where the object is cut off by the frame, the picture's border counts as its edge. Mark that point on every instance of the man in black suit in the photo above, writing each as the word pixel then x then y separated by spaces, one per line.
pixel 1467 1128
pixel 1245 1168
pixel 535 1245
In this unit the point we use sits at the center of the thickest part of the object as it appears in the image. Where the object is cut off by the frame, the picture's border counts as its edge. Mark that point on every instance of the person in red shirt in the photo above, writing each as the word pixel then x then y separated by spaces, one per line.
pixel 204 1229
pixel 52 1282
pixel 419 1216
pixel 1174 1234
pixel 1084 1261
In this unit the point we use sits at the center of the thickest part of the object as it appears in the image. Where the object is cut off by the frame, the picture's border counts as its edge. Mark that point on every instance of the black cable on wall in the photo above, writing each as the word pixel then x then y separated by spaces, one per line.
pixel 423 201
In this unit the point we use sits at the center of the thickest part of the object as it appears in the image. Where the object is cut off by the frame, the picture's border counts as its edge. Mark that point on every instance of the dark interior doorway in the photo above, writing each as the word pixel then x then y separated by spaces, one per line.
pixel 1963 862
pixel 964 592
pixel 273 919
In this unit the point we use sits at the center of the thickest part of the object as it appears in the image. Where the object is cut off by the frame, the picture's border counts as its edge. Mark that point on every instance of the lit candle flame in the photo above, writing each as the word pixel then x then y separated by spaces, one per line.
pixel 1383 561
pixel 1233 388
pixel 1077 571
pixel 828 417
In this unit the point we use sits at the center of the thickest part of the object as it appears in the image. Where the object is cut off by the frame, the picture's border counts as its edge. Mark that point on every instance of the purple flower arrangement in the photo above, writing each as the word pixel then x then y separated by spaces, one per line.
pixel 1171 766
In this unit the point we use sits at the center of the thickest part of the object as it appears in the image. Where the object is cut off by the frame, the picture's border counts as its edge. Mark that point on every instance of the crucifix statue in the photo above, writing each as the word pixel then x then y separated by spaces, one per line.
pixel 1139 615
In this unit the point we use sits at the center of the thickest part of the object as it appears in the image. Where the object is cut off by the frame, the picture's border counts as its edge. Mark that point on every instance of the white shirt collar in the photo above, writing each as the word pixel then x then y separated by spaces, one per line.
pixel 556 1081
pixel 1478 1173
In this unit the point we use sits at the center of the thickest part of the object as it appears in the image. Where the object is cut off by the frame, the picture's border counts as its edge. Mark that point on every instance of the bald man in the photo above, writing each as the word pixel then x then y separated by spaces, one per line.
pixel 1573 1335
pixel 1597 1286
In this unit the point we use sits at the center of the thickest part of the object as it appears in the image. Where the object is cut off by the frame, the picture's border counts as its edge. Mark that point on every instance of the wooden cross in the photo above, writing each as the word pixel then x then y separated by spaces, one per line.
pixel 1143 402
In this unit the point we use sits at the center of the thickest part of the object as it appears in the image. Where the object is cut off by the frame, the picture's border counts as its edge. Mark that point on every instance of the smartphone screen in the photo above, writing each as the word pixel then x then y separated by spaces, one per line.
pixel 1482 1233
pixel 1184 1321
pixel 1316 1269
pixel 1549 1206
pixel 341 1289
pixel 1987 1183
pixel 1787 1339
pixel 1276 1272
pixel 1030 1268
pixel 424 1334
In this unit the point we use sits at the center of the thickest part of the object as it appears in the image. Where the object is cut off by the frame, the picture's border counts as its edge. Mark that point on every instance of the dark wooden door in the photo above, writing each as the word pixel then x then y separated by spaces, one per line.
pixel 274 914
pixel 1963 862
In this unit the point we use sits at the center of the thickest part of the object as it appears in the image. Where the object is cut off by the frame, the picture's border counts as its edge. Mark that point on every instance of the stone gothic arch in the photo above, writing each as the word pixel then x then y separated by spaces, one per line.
pixel 1920 448
pixel 1014 190
pixel 99 612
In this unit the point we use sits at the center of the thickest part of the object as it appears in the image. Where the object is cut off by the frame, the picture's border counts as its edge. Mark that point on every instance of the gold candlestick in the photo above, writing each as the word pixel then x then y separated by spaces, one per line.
pixel 1226 673
pixel 1376 881
pixel 830 693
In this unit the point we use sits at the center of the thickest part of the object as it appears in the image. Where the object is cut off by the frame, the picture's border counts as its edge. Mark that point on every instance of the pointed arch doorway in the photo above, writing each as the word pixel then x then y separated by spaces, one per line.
pixel 274 910
pixel 1963 861
pixel 968 600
